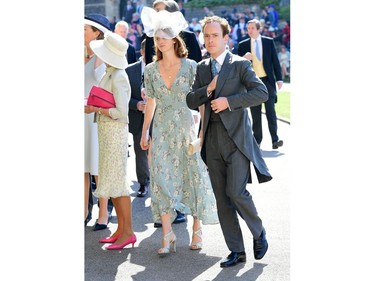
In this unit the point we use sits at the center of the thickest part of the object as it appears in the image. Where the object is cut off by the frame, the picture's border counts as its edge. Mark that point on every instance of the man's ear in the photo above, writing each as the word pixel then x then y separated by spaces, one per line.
pixel 226 38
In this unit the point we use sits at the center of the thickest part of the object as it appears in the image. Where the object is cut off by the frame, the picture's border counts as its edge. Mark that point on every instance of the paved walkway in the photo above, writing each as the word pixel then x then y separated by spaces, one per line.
pixel 142 263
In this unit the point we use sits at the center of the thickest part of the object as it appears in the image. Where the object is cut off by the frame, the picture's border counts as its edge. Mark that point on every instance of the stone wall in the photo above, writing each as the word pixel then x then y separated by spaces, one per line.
pixel 109 8
pixel 95 6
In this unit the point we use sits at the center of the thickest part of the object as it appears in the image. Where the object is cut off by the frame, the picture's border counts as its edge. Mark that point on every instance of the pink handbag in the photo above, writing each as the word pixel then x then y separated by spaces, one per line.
pixel 101 98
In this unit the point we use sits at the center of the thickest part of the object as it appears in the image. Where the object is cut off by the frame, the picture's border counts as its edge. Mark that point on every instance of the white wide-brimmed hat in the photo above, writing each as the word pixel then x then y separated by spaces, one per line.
pixel 112 50
pixel 163 24
pixel 99 21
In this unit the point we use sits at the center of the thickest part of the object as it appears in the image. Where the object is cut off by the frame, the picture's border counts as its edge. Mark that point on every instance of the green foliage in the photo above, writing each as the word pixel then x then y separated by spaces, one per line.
pixel 267 2
pixel 211 3
pixel 284 12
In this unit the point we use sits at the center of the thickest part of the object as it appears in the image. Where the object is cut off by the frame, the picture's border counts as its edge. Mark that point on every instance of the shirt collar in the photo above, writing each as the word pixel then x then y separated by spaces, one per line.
pixel 220 59
pixel 256 39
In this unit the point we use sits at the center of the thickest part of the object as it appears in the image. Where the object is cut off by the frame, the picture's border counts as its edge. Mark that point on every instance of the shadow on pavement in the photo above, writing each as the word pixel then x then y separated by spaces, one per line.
pixel 231 273
pixel 143 262
pixel 271 153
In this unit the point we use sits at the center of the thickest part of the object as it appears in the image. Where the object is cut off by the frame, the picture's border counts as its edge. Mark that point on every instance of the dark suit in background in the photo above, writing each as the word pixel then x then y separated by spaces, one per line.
pixel 228 144
pixel 130 53
pixel 136 118
pixel 192 45
pixel 272 68
pixel 122 29
pixel 128 11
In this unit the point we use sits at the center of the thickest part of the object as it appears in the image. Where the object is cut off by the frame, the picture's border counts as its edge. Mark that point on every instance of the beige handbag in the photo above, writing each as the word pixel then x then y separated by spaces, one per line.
pixel 194 146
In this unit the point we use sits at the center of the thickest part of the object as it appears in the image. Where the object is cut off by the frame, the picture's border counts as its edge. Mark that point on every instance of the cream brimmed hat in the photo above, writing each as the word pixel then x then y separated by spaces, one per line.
pixel 99 21
pixel 112 50
pixel 163 24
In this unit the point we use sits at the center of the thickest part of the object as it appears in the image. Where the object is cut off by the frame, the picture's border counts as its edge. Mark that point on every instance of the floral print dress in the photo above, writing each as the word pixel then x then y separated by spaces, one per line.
pixel 178 181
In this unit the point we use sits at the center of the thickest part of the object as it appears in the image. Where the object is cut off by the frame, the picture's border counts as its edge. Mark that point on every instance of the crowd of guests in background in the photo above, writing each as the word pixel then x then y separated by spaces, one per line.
pixel 237 19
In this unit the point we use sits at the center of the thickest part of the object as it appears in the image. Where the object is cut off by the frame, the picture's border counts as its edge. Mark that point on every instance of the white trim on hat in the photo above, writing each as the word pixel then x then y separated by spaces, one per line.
pixel 97 25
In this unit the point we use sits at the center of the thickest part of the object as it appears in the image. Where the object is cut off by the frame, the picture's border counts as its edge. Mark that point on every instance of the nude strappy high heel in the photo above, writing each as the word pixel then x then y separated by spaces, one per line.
pixel 197 245
pixel 170 242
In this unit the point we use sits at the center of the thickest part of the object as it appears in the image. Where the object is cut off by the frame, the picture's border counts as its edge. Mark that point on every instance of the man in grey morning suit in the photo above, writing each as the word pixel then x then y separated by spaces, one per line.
pixel 228 144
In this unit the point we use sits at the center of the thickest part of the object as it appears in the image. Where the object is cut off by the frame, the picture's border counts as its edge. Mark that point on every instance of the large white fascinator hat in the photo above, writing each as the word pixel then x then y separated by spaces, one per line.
pixel 162 24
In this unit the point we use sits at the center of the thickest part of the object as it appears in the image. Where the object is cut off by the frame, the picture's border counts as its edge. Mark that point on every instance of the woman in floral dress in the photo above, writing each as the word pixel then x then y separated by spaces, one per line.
pixel 179 181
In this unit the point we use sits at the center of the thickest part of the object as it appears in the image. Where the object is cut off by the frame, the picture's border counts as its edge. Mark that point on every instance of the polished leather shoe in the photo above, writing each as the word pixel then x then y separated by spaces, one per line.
pixel 157 224
pixel 88 218
pixel 233 259
pixel 143 190
pixel 277 144
pixel 179 218
pixel 260 245
pixel 98 226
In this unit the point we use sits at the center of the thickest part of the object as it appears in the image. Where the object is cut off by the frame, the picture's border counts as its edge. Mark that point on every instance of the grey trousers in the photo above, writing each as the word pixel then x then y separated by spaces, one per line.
pixel 229 170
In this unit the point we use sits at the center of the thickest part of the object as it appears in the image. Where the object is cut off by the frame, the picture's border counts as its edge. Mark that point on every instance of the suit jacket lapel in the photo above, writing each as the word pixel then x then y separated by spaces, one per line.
pixel 207 73
pixel 139 70
pixel 138 73
pixel 224 72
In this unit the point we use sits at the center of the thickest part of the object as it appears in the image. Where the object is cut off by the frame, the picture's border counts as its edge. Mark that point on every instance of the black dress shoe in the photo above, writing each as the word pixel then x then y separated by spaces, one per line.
pixel 143 190
pixel 277 144
pixel 233 259
pixel 88 218
pixel 260 245
pixel 180 218
pixel 93 183
pixel 98 226
pixel 157 224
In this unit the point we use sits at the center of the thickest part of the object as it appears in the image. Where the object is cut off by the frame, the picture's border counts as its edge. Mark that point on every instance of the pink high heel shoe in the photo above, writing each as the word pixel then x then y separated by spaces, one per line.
pixel 109 239
pixel 131 240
